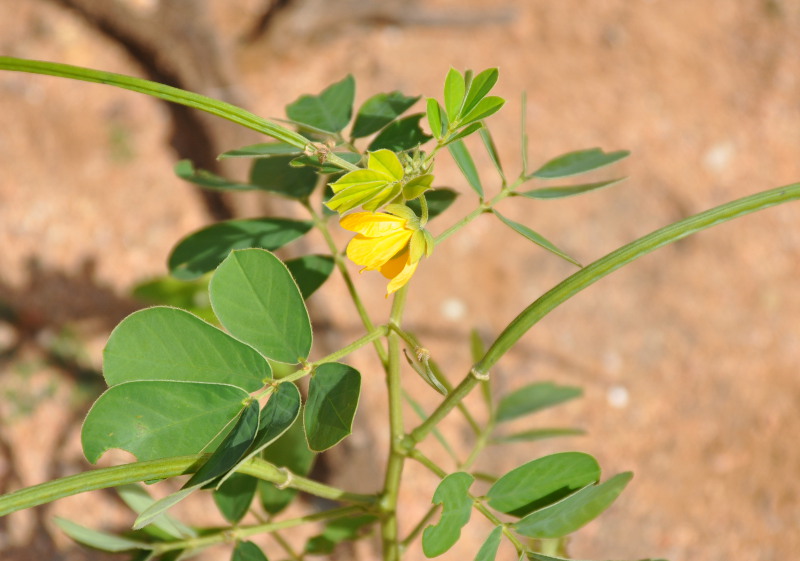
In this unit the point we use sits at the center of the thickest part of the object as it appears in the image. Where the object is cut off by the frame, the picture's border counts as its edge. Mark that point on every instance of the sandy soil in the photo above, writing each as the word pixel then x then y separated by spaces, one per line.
pixel 689 358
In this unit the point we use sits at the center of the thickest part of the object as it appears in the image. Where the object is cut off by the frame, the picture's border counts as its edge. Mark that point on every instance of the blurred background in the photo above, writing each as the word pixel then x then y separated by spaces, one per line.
pixel 688 358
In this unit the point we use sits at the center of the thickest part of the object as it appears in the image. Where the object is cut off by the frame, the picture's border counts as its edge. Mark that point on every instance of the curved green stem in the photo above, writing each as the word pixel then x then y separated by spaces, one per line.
pixel 591 274
pixel 152 470
pixel 167 93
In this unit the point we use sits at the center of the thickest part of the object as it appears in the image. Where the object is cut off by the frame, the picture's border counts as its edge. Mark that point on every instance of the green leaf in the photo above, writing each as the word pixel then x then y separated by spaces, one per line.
pixel 261 150
pixel 167 93
pixel 276 417
pixel 158 419
pixel 464 161
pixel 173 345
pixel 536 434
pixel 478 88
pixel 574 511
pixel 534 397
pixel 581 161
pixel 329 111
pixel 248 551
pixel 542 482
pixel 487 107
pixel 488 550
pixel 336 531
pixel 232 449
pixel 235 495
pixel 276 175
pixel 331 406
pixel 567 190
pixel 535 238
pixel 386 163
pixel 310 272
pixel 138 499
pixel 454 90
pixel 403 134
pixel 220 462
pixel 438 200
pixel 488 141
pixel 434 115
pixel 289 451
pixel 98 540
pixel 185 170
pixel 258 302
pixel 380 110
pixel 203 251
pixel 453 494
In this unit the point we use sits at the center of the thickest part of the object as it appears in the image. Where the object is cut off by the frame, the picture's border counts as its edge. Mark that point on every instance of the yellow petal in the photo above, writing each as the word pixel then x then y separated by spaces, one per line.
pixel 372 253
pixel 372 224
pixel 401 278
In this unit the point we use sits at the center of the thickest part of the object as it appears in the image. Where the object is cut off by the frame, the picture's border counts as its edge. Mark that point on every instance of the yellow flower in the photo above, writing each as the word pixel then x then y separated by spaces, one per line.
pixel 391 242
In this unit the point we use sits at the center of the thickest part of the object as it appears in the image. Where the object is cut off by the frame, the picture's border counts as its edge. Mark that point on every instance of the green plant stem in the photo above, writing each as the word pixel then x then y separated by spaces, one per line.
pixel 483 208
pixel 235 534
pixel 167 93
pixel 152 470
pixel 396 461
pixel 413 342
pixel 591 274
pixel 321 224
pixel 373 335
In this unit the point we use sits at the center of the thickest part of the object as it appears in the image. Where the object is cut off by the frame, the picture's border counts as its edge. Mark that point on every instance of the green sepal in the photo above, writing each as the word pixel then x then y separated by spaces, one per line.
pixel 417 186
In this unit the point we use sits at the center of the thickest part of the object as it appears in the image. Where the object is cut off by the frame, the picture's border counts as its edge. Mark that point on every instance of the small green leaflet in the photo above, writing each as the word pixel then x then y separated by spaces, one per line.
pixel 310 272
pixel 480 85
pixel 98 540
pixel 331 406
pixel 235 495
pixel 380 110
pixel 330 111
pixel 202 251
pixel 464 161
pixel 574 511
pixel 536 434
pixel 278 175
pixel 534 397
pixel 574 163
pixel 434 115
pixel 261 150
pixel 488 550
pixel 542 482
pixel 567 190
pixel 454 90
pixel 403 134
pixel 453 494
pixel 536 238
pixel 257 301
pixel 248 551
pixel 138 500
pixel 185 170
